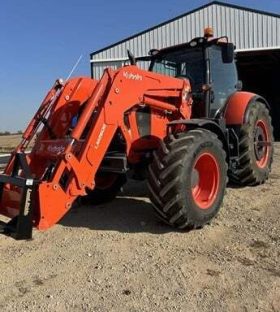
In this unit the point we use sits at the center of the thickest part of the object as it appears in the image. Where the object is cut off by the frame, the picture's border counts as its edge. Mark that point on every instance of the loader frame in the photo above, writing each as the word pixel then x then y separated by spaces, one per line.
pixel 48 193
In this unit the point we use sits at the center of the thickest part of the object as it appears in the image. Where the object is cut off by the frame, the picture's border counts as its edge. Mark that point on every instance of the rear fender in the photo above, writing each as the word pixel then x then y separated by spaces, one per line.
pixel 237 106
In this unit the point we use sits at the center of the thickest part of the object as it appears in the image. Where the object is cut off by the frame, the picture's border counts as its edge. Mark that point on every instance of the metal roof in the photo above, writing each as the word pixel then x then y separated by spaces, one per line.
pixel 247 28
pixel 183 15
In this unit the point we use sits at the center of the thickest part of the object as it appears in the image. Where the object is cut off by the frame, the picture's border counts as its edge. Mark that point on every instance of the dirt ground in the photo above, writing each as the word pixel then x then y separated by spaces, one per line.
pixel 119 257
pixel 8 142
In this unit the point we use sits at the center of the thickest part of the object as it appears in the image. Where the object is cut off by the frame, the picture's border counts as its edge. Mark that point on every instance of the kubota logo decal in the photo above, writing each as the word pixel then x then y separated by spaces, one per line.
pixel 100 136
pixel 132 76
pixel 56 149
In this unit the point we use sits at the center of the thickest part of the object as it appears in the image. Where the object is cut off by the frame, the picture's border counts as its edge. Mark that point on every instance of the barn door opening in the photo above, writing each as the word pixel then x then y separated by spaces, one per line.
pixel 259 71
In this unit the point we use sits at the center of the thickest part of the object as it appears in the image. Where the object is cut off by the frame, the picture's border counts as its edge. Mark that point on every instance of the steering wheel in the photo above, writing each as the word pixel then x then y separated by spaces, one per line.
pixel 131 57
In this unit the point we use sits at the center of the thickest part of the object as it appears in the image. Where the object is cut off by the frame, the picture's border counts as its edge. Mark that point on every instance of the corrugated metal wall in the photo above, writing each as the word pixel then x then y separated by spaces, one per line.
pixel 247 29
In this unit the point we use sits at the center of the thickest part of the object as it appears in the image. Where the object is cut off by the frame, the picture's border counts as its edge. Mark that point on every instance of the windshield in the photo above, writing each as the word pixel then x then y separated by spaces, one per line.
pixel 188 63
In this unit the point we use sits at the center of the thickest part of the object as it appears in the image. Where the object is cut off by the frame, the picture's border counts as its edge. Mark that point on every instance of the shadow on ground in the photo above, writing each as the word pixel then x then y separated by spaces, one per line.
pixel 128 213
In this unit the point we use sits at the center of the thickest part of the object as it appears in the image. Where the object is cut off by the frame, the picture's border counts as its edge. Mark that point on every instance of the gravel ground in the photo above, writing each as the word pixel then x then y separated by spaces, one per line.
pixel 119 257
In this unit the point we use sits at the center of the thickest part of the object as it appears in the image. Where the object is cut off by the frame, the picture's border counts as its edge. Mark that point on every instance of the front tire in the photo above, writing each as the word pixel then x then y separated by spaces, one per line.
pixel 107 188
pixel 255 147
pixel 187 178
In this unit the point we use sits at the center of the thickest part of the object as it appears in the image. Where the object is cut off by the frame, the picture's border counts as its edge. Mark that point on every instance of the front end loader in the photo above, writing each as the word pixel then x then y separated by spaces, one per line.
pixel 180 124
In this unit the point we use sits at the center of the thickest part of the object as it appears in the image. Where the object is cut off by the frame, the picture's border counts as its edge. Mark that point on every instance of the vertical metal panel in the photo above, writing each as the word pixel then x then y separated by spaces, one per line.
pixel 247 29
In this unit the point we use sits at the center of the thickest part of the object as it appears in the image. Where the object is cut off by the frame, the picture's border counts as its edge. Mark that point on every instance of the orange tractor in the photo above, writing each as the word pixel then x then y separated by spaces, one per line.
pixel 184 125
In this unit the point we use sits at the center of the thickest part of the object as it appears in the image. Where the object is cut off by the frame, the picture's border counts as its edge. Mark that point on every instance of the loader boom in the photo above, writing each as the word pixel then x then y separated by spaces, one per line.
pixel 64 161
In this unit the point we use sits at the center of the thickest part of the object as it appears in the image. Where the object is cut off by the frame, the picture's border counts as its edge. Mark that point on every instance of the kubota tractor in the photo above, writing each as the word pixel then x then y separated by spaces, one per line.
pixel 184 124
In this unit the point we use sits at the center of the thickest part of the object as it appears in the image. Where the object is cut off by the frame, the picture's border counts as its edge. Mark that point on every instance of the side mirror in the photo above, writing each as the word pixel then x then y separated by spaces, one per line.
pixel 228 53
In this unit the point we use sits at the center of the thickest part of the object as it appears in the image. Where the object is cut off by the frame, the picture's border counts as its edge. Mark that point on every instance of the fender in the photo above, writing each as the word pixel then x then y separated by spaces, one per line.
pixel 236 107
pixel 207 124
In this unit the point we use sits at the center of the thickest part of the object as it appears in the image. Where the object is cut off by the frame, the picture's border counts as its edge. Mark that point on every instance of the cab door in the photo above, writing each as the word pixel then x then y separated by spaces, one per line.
pixel 223 79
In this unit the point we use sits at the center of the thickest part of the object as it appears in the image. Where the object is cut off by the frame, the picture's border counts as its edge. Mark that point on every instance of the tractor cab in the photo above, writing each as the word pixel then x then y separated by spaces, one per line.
pixel 210 67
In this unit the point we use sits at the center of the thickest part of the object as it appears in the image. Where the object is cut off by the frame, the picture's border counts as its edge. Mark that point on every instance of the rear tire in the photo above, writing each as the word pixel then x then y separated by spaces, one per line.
pixel 187 178
pixel 107 188
pixel 255 160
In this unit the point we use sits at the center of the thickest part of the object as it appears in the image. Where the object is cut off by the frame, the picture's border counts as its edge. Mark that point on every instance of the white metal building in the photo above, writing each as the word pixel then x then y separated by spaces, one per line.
pixel 256 35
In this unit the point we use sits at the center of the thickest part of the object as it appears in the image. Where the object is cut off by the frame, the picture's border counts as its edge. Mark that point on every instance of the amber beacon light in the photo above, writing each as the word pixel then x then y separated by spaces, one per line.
pixel 208 32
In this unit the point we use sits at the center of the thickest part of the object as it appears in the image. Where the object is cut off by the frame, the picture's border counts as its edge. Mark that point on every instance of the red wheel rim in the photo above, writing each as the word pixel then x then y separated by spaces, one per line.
pixel 261 144
pixel 205 180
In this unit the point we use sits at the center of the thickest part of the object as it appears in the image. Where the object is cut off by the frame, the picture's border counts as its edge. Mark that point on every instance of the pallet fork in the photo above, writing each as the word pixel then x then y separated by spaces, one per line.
pixel 20 226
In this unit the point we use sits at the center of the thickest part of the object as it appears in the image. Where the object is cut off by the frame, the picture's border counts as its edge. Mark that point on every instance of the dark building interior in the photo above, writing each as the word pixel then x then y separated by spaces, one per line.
pixel 259 73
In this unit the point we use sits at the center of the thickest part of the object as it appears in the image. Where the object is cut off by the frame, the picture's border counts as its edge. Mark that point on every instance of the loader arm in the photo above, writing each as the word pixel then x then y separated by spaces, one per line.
pixel 61 168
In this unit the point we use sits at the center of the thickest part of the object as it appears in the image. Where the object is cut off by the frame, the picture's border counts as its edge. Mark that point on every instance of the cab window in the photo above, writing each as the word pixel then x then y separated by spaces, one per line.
pixel 223 79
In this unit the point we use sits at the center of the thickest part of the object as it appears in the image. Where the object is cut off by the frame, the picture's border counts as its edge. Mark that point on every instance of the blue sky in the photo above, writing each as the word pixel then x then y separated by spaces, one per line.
pixel 40 40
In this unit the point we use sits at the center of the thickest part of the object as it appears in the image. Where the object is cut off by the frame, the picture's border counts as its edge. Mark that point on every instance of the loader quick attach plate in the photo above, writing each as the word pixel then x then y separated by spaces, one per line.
pixel 20 226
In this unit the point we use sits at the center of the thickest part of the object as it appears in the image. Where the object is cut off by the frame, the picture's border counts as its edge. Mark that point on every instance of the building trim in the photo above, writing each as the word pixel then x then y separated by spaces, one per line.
pixel 257 49
pixel 122 59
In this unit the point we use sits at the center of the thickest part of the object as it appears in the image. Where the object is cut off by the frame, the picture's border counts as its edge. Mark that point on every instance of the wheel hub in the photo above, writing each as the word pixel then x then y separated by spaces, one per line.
pixel 205 180
pixel 259 143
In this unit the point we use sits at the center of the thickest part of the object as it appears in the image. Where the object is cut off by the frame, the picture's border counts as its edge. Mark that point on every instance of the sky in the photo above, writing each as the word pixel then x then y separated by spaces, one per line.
pixel 40 40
